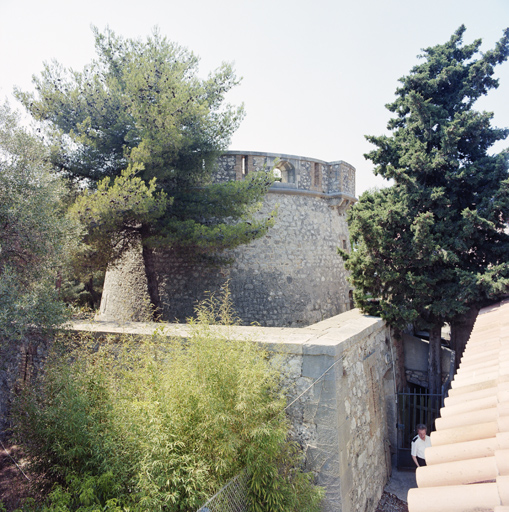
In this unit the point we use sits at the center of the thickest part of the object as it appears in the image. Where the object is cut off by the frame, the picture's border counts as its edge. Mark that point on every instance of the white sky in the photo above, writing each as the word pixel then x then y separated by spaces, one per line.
pixel 316 74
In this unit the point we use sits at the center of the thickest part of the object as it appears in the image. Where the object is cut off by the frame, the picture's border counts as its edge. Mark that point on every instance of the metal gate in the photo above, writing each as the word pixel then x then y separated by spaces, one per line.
pixel 414 407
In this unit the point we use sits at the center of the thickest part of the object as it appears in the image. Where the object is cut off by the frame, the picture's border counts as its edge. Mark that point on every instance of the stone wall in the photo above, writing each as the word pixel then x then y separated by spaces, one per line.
pixel 340 372
pixel 293 276
pixel 293 171
pixel 341 375
pixel 20 363
pixel 125 294
pixel 343 420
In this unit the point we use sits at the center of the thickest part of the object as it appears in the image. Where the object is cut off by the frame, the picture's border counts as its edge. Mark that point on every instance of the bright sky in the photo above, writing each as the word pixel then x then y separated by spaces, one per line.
pixel 316 74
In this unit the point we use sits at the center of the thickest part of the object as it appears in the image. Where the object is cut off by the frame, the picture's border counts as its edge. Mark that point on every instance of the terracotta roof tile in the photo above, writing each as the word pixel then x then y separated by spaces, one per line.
pixel 468 461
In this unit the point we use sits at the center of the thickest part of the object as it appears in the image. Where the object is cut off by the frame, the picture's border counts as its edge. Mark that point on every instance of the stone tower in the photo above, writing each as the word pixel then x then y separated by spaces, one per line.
pixel 291 277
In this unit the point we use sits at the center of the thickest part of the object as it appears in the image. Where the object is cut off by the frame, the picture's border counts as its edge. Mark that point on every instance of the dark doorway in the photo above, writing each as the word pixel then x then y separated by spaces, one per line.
pixel 415 405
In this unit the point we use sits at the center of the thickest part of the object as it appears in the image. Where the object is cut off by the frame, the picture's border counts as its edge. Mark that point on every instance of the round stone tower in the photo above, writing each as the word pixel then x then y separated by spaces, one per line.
pixel 291 277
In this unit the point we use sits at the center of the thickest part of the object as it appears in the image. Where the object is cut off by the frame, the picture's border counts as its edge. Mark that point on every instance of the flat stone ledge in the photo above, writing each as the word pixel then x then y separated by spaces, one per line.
pixel 330 337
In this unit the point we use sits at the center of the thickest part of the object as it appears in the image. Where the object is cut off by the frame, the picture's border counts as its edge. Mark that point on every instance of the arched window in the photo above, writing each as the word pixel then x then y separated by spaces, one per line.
pixel 286 171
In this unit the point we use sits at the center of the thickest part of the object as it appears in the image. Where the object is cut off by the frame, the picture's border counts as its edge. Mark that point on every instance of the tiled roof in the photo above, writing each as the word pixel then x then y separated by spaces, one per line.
pixel 468 462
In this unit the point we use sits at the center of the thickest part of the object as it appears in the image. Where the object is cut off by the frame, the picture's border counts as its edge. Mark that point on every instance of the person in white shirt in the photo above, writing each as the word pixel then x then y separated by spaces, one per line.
pixel 419 443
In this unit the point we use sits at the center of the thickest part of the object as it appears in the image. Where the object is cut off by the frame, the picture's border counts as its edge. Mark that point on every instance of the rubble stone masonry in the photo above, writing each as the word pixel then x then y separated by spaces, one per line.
pixel 342 420
pixel 341 403
pixel 291 277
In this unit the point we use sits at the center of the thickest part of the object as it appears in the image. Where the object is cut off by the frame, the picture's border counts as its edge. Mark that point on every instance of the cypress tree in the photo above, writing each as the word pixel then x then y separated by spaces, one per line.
pixel 435 243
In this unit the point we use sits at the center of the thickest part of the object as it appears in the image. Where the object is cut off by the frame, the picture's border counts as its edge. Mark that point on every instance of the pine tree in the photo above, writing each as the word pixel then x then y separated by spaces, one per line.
pixel 141 105
pixel 435 243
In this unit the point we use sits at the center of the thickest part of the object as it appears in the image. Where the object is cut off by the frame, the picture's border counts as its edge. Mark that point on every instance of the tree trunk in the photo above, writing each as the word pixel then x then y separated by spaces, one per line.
pixel 434 360
pixel 150 272
pixel 461 328
pixel 399 356
pixel 152 281
pixel 89 287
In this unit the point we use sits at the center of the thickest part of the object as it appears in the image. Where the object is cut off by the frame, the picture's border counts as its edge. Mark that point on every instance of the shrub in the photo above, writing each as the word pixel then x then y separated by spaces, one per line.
pixel 37 237
pixel 160 424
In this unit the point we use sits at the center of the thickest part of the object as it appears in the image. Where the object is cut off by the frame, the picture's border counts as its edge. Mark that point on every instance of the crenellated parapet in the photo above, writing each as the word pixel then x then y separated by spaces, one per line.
pixel 333 181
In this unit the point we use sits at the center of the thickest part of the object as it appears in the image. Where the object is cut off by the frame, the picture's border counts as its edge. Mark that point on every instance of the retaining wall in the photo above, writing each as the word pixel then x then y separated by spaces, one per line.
pixel 342 376
pixel 20 363
pixel 343 420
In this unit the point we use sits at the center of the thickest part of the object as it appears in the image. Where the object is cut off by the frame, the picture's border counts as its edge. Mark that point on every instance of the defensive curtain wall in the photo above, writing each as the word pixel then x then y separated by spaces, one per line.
pixel 341 373
pixel 293 276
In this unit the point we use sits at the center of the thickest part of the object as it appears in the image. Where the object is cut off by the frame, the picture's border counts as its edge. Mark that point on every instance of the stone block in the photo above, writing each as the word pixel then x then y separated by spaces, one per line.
pixel 314 366
pixel 318 460
pixel 344 433
pixel 309 414
pixel 326 436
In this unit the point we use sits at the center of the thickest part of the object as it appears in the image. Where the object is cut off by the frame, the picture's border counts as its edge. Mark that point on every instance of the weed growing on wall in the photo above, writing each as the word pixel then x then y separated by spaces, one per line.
pixel 160 424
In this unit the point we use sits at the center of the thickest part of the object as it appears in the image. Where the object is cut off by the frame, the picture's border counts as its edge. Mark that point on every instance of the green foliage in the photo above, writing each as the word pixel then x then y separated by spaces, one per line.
pixel 113 214
pixel 140 102
pixel 158 424
pixel 435 243
pixel 141 106
pixel 216 217
pixel 277 483
pixel 81 289
pixel 36 235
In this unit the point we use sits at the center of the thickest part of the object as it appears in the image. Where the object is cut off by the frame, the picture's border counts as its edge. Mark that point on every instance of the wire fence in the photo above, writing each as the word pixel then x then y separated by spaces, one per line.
pixel 231 498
